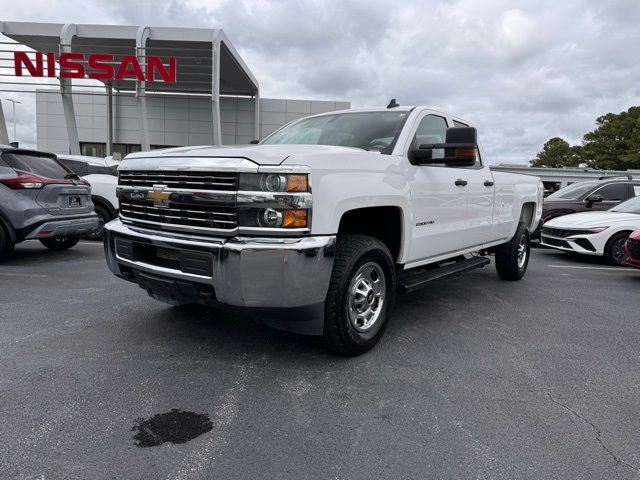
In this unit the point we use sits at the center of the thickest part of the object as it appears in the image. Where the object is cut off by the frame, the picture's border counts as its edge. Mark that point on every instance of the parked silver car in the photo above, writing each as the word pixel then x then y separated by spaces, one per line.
pixel 41 199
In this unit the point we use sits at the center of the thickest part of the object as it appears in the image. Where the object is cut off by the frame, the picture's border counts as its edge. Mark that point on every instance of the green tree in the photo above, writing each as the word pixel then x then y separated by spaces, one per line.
pixel 615 143
pixel 557 153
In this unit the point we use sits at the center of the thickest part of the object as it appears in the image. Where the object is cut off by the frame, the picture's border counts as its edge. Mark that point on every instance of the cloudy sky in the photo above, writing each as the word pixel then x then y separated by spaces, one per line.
pixel 521 71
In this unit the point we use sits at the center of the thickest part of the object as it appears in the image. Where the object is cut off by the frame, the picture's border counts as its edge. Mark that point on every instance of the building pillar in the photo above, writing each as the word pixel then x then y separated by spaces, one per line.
pixel 4 134
pixel 109 150
pixel 257 115
pixel 141 44
pixel 66 38
pixel 215 91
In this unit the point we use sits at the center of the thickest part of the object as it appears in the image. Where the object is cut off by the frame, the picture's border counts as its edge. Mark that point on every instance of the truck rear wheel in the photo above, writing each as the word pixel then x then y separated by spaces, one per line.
pixel 361 295
pixel 512 258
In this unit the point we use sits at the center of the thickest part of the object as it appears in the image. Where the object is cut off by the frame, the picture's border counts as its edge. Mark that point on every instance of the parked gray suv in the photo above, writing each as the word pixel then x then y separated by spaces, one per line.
pixel 41 199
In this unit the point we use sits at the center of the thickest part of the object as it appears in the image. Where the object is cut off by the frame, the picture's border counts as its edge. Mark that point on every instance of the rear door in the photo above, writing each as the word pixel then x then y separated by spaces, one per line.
pixel 612 194
pixel 480 200
pixel 59 195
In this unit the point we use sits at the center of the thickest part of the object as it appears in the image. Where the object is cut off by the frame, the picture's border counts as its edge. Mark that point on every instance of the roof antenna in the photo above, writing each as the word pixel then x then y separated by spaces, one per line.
pixel 393 103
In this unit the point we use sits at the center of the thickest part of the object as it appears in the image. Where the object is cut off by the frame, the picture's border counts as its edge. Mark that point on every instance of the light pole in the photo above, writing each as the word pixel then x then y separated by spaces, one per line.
pixel 15 137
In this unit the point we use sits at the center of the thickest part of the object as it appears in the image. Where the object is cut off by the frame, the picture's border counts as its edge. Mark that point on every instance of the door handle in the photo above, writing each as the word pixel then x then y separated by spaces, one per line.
pixel 488 183
pixel 461 183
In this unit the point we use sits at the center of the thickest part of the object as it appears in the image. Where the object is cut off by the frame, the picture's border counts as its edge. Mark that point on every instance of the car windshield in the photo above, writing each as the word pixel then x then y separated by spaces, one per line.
pixel 630 206
pixel 365 130
pixel 40 165
pixel 573 191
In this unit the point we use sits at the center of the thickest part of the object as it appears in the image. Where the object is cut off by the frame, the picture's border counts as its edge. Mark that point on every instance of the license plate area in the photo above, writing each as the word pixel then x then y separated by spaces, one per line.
pixel 186 261
pixel 74 201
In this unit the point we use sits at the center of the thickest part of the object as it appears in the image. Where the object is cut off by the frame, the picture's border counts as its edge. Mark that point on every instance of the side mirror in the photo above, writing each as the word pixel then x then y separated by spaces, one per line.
pixel 591 199
pixel 460 149
pixel 254 142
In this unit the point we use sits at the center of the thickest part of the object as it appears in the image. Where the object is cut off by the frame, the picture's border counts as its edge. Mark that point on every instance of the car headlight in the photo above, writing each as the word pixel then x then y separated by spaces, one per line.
pixel 273 201
pixel 274 182
pixel 597 229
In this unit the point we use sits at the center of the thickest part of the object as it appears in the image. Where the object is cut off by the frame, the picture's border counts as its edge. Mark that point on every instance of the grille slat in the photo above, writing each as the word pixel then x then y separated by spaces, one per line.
pixel 207 216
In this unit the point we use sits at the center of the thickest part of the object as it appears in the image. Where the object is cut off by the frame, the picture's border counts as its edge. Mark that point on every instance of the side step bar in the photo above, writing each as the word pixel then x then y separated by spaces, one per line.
pixel 414 280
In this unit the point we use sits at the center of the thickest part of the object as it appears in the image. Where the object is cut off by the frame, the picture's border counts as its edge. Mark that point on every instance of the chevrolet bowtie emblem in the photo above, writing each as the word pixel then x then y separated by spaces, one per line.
pixel 159 196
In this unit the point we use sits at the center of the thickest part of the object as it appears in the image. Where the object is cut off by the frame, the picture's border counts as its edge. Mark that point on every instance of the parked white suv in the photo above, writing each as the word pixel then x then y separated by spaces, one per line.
pixel 317 226
pixel 102 175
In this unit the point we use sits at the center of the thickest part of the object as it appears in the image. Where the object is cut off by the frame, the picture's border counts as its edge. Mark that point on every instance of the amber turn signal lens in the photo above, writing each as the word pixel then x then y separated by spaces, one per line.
pixel 466 152
pixel 294 219
pixel 297 183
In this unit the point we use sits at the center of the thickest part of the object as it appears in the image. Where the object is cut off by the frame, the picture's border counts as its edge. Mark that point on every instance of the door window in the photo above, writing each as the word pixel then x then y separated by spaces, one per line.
pixel 432 129
pixel 614 192
pixel 79 168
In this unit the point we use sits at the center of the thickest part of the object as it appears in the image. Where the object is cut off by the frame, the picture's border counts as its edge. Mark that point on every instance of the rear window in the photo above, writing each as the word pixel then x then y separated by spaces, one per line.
pixel 40 165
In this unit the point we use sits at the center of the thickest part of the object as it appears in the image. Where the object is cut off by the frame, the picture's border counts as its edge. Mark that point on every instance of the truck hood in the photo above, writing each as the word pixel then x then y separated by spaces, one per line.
pixel 595 219
pixel 259 154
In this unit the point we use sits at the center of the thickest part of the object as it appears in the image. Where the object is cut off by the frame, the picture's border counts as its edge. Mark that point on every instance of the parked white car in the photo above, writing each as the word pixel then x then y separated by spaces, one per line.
pixel 319 225
pixel 102 175
pixel 595 233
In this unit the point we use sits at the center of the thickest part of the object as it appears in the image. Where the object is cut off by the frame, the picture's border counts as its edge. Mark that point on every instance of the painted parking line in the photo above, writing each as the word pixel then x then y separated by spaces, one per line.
pixel 617 269
pixel 99 244
pixel 25 275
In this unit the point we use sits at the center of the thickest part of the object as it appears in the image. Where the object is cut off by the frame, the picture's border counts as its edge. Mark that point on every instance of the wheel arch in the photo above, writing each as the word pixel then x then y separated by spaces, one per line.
pixel 386 223
pixel 103 202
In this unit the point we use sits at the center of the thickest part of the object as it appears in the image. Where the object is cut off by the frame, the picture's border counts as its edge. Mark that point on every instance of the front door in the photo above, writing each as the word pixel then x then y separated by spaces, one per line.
pixel 438 198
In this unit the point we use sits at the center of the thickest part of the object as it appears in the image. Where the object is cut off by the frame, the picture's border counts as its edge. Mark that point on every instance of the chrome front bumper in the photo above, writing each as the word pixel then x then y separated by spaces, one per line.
pixel 266 273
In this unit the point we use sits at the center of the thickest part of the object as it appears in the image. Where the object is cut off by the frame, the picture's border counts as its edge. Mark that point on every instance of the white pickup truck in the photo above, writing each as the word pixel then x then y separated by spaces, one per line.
pixel 320 224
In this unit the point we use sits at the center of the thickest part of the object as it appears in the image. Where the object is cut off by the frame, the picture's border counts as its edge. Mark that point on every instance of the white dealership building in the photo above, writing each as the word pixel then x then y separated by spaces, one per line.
pixel 206 94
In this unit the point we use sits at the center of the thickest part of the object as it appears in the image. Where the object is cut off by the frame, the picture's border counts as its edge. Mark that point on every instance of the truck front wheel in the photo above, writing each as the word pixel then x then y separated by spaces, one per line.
pixel 360 296
pixel 512 258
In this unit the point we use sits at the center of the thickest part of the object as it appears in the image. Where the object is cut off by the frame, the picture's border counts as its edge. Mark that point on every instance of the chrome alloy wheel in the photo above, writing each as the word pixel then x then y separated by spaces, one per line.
pixel 522 252
pixel 367 293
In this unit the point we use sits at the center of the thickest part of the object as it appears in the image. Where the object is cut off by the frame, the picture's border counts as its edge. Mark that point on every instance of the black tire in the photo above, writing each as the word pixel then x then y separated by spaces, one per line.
pixel 614 251
pixel 62 243
pixel 104 216
pixel 509 263
pixel 342 333
pixel 6 245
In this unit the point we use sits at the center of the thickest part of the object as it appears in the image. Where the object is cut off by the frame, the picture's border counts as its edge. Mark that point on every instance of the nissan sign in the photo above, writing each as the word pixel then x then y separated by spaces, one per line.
pixel 97 66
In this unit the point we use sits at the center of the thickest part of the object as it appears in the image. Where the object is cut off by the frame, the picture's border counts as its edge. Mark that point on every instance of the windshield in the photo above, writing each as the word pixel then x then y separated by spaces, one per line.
pixel 573 191
pixel 630 206
pixel 365 130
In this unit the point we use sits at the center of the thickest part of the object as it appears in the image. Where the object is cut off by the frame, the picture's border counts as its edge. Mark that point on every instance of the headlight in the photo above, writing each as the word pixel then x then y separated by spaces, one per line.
pixel 278 200
pixel 274 182
pixel 597 229
pixel 273 218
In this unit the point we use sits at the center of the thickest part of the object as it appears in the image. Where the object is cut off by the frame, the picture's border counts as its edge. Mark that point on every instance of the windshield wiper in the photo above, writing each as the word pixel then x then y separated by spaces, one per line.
pixel 72 176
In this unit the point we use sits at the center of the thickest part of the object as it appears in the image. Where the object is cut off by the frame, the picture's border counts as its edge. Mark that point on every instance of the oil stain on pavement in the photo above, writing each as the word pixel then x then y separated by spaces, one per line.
pixel 175 426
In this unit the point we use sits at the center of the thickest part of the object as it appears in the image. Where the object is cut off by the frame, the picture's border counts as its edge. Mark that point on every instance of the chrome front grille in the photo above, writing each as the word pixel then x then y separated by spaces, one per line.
pixel 177 214
pixel 180 179
pixel 203 202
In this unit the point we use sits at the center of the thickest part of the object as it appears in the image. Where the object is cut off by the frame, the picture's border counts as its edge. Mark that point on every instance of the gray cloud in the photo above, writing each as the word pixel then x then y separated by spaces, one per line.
pixel 522 71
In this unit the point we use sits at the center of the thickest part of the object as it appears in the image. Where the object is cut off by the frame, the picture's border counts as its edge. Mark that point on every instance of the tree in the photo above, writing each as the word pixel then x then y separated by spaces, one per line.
pixel 615 143
pixel 557 153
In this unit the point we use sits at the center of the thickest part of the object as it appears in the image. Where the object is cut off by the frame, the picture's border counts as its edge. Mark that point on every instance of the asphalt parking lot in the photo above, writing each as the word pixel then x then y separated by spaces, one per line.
pixel 475 378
